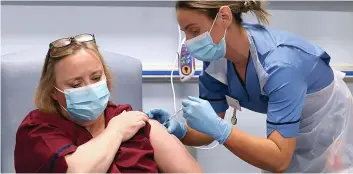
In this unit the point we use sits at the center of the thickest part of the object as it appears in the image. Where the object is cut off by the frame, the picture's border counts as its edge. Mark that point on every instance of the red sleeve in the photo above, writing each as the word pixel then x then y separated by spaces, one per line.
pixel 40 148
pixel 135 155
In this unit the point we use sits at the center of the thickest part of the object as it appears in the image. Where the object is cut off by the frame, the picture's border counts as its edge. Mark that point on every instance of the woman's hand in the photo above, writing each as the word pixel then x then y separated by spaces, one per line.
pixel 96 155
pixel 127 124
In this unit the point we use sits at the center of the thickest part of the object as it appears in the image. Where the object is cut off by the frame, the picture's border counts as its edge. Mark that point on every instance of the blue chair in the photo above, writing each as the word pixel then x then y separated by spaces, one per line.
pixel 20 75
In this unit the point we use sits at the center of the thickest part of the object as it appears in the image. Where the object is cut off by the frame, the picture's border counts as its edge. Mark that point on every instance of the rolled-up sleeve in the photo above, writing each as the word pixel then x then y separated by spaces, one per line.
pixel 286 88
pixel 213 91
pixel 41 148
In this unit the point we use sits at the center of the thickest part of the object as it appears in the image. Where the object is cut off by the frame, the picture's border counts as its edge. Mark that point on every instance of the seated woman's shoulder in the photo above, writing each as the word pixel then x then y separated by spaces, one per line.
pixel 37 115
pixel 114 109
pixel 37 118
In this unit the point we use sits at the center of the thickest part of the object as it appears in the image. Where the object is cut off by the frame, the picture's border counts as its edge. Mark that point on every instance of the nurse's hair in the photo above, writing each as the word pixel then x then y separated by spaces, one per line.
pixel 43 98
pixel 237 7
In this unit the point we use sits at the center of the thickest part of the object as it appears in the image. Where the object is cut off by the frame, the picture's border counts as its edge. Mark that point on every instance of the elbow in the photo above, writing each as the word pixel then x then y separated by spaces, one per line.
pixel 281 167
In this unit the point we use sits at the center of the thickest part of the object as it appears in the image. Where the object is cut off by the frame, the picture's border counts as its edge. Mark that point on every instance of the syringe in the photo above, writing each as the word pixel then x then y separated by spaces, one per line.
pixel 175 114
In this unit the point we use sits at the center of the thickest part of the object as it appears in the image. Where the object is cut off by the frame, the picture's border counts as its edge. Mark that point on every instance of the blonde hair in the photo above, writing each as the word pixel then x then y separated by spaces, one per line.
pixel 237 8
pixel 43 98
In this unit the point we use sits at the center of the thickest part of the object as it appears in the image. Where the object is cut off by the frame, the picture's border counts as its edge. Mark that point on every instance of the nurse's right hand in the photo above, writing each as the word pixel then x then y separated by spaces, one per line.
pixel 127 124
pixel 174 127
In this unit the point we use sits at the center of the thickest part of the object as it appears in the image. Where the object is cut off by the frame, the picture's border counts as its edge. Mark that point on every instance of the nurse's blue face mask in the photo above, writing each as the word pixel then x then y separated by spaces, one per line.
pixel 86 104
pixel 203 48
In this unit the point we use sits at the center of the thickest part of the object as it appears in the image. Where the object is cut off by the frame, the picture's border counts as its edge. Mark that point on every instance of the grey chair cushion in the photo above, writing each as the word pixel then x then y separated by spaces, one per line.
pixel 20 74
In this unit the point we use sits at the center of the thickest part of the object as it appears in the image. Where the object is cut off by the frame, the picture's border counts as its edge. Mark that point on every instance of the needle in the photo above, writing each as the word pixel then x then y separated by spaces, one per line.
pixel 176 113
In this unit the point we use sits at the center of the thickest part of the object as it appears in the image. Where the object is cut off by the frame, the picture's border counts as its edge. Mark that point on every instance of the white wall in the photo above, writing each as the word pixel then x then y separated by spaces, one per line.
pixel 119 29
pixel 150 34
pixel 125 27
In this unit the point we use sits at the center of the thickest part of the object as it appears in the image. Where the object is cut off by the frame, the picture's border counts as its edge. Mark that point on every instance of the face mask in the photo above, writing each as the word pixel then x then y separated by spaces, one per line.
pixel 86 104
pixel 203 48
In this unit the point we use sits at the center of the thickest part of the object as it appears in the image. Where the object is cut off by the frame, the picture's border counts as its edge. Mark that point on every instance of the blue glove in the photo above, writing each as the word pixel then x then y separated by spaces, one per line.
pixel 200 116
pixel 160 115
pixel 174 127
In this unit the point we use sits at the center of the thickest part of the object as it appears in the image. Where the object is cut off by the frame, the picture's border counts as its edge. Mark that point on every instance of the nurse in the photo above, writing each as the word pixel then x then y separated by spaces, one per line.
pixel 308 105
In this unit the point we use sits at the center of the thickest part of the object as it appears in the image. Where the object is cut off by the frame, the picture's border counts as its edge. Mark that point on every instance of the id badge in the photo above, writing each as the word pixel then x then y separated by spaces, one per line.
pixel 234 119
pixel 234 104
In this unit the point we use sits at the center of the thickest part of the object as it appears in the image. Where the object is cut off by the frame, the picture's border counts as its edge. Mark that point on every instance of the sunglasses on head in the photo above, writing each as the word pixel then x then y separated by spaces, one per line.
pixel 56 46
pixel 62 43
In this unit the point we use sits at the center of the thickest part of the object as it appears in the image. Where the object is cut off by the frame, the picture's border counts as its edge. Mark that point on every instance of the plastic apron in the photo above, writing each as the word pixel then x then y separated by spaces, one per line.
pixel 323 143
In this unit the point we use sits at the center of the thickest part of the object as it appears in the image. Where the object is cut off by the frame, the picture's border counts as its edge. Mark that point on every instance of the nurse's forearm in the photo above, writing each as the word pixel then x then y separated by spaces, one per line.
pixel 260 152
pixel 96 155
pixel 195 138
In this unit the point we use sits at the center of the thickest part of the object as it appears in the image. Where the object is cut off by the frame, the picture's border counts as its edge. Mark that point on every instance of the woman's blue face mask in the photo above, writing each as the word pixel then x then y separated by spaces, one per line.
pixel 86 104
pixel 203 48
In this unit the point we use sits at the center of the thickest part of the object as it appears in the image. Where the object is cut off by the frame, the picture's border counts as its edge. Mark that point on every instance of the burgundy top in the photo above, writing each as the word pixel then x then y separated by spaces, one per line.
pixel 43 139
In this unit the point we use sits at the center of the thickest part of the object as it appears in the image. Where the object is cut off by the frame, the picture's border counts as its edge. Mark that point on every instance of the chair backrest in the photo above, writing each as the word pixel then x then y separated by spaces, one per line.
pixel 20 75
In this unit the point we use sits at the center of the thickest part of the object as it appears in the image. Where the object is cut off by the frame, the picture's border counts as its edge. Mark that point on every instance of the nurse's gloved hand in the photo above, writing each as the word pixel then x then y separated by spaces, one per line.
pixel 200 116
pixel 160 115
pixel 174 127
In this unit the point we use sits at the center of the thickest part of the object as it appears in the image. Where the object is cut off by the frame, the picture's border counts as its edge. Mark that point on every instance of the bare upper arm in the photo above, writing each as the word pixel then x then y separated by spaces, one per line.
pixel 285 145
pixel 170 154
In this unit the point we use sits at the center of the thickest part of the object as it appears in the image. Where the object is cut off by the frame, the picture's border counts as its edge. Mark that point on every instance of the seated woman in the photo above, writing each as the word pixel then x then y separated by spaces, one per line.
pixel 77 129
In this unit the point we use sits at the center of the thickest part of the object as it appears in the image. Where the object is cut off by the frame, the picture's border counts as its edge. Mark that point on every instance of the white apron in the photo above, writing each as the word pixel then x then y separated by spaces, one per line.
pixel 323 143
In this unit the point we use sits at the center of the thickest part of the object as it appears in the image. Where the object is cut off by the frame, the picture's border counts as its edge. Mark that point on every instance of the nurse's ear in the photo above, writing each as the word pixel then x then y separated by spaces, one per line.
pixel 226 17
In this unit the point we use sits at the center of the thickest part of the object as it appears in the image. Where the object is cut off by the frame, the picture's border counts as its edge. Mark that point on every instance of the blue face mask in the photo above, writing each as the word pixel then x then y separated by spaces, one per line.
pixel 203 48
pixel 86 104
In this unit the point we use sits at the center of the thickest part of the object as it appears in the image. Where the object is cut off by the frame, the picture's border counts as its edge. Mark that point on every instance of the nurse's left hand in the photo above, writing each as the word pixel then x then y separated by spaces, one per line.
pixel 200 116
